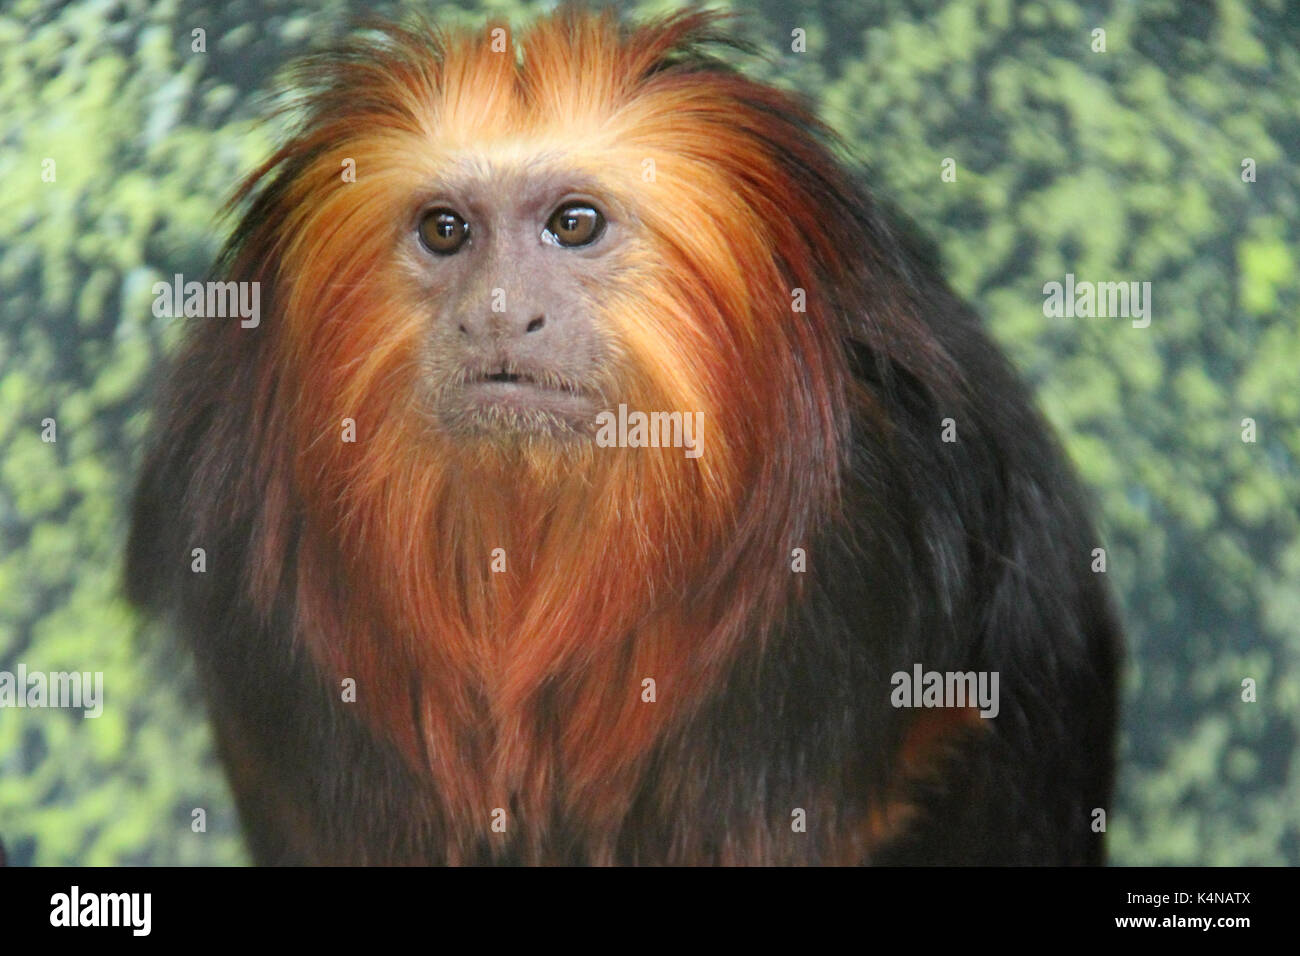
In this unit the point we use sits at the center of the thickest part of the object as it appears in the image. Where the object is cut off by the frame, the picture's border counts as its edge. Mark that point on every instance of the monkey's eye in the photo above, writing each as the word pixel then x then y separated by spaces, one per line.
pixel 443 231
pixel 575 224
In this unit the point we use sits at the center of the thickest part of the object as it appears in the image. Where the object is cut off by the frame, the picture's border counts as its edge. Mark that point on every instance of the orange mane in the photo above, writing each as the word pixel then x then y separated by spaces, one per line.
pixel 522 689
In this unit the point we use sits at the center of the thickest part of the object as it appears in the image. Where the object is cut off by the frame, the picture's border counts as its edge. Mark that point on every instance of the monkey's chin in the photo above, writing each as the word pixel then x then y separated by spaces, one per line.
pixel 519 410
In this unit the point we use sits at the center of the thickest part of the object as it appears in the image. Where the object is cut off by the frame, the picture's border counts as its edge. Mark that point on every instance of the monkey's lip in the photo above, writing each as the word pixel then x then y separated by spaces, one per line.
pixel 520 401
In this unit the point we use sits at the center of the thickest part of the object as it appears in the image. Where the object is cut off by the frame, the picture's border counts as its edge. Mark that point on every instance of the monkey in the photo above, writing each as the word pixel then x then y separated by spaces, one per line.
pixel 471 594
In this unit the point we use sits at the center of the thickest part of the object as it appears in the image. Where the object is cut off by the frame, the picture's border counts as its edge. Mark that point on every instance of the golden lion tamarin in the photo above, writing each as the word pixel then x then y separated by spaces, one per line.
pixel 611 481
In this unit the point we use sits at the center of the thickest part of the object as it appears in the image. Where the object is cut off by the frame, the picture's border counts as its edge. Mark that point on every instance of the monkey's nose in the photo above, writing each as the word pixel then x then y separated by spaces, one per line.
pixel 500 328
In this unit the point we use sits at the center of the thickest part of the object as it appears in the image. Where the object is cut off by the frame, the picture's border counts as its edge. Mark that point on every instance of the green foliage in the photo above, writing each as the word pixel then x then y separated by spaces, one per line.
pixel 1116 165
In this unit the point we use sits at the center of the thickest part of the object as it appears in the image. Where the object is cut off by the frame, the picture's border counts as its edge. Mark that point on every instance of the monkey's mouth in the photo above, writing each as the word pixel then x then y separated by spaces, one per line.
pixel 509 399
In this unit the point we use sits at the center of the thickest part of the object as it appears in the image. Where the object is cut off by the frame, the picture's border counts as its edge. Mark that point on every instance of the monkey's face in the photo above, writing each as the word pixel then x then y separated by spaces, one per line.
pixel 510 265
pixel 502 291
pixel 528 242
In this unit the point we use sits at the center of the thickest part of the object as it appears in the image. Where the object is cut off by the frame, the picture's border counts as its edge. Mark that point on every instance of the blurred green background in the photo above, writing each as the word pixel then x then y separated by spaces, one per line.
pixel 1118 165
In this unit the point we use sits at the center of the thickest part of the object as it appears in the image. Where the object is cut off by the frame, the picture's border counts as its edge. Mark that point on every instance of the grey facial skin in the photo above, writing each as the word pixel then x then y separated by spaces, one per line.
pixel 512 265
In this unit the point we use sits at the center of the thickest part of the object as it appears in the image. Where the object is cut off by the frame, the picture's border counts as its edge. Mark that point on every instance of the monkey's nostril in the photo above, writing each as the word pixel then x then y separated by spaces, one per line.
pixel 536 324
pixel 462 330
